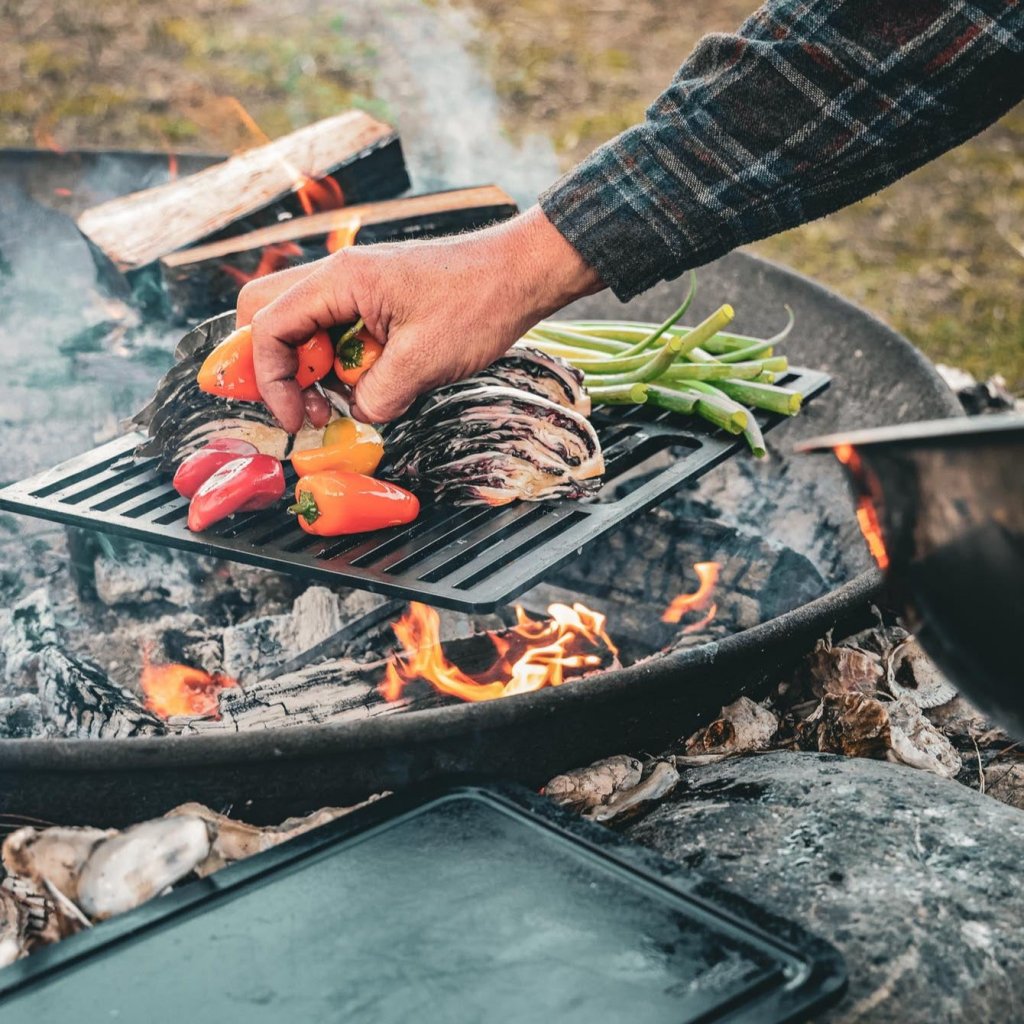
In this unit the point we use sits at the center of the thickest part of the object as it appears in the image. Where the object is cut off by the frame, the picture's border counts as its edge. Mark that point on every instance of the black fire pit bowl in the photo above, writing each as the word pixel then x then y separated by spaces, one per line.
pixel 942 503
pixel 466 905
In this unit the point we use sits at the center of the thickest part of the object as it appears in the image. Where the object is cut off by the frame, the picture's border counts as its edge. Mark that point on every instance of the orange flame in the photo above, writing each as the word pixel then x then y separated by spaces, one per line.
pixel 531 655
pixel 867 514
pixel 698 601
pixel 182 690
pixel 172 166
pixel 272 259
pixel 345 233
pixel 317 195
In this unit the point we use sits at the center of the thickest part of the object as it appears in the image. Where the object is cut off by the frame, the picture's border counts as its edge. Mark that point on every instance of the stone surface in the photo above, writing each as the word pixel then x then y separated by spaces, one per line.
pixel 913 878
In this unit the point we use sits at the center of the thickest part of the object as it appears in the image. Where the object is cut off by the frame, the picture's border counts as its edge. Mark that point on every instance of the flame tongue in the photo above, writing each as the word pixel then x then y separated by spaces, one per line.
pixel 182 690
pixel 699 600
pixel 531 655
pixel 867 512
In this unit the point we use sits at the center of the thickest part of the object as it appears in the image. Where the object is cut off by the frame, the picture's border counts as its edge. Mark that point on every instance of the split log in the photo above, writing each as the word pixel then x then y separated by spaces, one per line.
pixel 76 699
pixel 360 153
pixel 335 691
pixel 204 280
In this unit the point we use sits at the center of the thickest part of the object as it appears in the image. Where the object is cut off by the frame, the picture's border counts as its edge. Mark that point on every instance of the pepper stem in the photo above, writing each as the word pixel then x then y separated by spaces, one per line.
pixel 306 507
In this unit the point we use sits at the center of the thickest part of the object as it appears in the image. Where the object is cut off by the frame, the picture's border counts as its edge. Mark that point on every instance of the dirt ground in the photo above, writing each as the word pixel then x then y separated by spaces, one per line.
pixel 940 255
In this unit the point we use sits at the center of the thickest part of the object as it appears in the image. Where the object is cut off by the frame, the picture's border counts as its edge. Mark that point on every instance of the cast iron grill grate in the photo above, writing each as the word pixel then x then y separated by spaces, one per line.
pixel 468 558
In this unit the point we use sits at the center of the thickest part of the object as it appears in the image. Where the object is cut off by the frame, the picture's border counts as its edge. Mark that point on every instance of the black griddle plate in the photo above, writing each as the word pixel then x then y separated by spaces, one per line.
pixel 465 906
pixel 469 558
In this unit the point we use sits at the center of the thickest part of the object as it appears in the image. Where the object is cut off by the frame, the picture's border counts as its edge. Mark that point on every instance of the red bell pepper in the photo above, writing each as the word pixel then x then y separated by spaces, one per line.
pixel 244 485
pixel 198 467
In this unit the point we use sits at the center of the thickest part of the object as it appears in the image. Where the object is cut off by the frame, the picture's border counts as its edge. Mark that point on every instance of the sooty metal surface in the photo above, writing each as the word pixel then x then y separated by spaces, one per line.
pixel 469 558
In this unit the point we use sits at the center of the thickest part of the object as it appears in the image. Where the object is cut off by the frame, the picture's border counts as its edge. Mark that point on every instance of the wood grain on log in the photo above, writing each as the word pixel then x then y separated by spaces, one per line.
pixel 137 229
pixel 205 279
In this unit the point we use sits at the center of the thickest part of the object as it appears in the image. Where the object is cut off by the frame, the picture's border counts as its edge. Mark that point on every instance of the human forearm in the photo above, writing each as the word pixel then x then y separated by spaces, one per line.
pixel 805 110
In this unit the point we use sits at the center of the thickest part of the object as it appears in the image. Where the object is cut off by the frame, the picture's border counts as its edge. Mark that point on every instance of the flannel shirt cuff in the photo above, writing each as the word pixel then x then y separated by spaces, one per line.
pixel 607 209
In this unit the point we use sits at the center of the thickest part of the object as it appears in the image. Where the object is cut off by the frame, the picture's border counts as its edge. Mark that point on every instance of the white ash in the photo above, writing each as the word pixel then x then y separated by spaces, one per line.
pixel 76 698
pixel 141 575
pixel 253 649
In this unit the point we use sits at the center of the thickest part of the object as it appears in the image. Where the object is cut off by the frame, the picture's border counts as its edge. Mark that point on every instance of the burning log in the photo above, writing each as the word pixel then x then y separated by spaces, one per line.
pixel 76 699
pixel 531 655
pixel 205 279
pixel 335 691
pixel 359 156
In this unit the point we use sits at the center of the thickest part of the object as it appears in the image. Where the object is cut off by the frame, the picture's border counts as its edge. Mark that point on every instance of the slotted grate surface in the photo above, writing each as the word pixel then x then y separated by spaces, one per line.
pixel 468 558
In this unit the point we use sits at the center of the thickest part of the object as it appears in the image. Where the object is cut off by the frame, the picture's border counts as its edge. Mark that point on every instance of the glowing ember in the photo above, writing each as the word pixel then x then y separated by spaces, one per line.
pixel 867 514
pixel 345 233
pixel 531 655
pixel 272 259
pixel 699 601
pixel 182 690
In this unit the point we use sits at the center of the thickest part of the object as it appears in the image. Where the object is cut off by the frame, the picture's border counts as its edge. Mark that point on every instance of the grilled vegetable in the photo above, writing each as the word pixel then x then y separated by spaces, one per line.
pixel 201 465
pixel 229 372
pixel 545 376
pixel 243 485
pixel 348 445
pixel 696 370
pixel 332 503
pixel 316 357
pixel 355 355
pixel 476 442
pixel 181 418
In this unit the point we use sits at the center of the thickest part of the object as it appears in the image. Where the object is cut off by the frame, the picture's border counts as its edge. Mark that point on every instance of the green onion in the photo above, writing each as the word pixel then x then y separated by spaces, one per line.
pixel 651 338
pixel 763 396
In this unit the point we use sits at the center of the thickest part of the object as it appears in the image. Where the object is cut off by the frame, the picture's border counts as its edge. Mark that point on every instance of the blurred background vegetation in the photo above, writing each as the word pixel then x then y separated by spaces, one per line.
pixel 939 255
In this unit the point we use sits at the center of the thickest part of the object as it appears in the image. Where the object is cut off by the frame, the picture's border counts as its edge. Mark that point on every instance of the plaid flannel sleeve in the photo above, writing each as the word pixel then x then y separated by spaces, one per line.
pixel 810 106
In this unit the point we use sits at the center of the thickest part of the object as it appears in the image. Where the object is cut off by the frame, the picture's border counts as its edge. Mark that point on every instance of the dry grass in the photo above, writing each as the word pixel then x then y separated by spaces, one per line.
pixel 939 255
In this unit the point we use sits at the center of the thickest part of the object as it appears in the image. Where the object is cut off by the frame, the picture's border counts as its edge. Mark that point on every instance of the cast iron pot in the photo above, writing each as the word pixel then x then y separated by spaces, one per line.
pixel 942 504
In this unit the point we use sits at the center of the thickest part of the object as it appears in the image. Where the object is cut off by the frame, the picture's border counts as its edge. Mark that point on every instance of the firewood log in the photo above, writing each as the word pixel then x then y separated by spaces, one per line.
pixel 360 153
pixel 204 280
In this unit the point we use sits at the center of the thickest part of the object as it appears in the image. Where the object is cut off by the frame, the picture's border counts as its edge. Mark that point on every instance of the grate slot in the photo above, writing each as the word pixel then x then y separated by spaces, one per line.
pixel 103 482
pixel 472 558
pixel 488 537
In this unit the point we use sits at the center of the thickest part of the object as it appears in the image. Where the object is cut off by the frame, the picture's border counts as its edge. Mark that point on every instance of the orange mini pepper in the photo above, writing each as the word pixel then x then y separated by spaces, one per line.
pixel 228 371
pixel 348 445
pixel 333 503
pixel 357 350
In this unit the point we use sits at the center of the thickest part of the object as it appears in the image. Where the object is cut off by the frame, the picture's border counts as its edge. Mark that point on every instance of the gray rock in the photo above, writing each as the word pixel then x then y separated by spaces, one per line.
pixel 915 879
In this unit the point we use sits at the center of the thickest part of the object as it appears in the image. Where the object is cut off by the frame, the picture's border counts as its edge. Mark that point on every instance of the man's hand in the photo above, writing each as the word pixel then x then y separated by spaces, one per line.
pixel 442 309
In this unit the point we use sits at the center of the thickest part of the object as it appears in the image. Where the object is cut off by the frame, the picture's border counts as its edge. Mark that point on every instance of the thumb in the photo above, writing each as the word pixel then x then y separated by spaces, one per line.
pixel 388 387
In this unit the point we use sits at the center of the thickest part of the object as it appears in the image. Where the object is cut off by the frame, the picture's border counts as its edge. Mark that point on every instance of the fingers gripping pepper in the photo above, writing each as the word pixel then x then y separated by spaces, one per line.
pixel 357 350
pixel 244 485
pixel 198 467
pixel 229 370
pixel 332 503
pixel 348 445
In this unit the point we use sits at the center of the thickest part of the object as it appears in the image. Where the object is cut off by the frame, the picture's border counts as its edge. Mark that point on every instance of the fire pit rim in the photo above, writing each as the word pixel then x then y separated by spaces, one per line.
pixel 300 742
